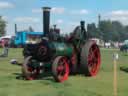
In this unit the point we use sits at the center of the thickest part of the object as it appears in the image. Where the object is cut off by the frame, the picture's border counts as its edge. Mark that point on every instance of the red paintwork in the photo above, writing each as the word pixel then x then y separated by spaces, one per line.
pixel 35 73
pixel 63 69
pixel 74 58
pixel 94 60
pixel 3 41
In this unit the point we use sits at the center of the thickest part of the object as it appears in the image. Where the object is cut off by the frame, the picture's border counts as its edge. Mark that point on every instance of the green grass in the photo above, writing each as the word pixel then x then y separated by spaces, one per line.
pixel 101 85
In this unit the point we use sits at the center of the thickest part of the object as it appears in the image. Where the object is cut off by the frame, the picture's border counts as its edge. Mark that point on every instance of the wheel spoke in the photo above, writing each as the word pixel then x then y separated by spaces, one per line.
pixel 94 67
pixel 93 59
pixel 33 73
pixel 30 69
pixel 60 68
pixel 95 50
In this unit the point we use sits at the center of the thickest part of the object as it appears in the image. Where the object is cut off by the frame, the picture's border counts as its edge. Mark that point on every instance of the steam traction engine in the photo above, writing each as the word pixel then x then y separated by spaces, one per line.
pixel 62 56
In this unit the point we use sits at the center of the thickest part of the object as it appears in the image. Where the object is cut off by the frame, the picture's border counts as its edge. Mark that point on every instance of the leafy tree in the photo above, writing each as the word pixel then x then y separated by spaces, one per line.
pixel 118 30
pixel 2 26
pixel 108 30
pixel 125 33
pixel 92 30
pixel 112 30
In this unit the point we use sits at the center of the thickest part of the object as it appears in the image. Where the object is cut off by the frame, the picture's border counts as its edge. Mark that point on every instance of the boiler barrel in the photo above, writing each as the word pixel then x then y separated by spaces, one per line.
pixel 62 49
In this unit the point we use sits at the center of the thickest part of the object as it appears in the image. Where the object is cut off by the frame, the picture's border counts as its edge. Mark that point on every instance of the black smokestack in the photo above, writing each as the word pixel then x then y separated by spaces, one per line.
pixel 15 28
pixel 83 30
pixel 82 23
pixel 46 20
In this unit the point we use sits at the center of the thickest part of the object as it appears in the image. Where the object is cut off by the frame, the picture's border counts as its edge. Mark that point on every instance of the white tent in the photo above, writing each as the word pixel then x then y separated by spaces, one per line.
pixel 8 37
pixel 125 41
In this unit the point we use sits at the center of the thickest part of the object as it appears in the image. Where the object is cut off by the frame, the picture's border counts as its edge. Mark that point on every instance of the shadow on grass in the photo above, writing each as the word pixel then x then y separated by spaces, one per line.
pixel 124 53
pixel 44 76
pixel 124 69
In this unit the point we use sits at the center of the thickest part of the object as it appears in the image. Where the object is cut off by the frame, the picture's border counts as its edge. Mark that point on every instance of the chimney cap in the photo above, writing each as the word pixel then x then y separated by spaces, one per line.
pixel 82 22
pixel 46 8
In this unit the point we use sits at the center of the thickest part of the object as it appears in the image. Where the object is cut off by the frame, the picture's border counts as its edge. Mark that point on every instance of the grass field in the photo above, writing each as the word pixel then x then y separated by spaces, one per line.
pixel 101 85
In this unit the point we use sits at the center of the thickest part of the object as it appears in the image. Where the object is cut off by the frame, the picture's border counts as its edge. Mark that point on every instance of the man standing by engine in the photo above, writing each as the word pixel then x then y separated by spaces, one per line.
pixel 5 48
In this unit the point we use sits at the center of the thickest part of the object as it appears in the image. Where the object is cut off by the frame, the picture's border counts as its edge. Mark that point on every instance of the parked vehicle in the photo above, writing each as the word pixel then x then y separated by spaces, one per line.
pixel 124 47
pixel 22 37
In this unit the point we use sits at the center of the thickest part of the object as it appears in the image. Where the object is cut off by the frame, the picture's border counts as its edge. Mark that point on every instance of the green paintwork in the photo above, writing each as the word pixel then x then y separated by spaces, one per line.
pixel 62 49
pixel 59 49
pixel 48 65
pixel 35 63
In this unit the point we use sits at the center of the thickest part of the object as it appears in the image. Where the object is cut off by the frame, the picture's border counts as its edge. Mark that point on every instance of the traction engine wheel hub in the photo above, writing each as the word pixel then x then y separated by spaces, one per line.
pixel 60 68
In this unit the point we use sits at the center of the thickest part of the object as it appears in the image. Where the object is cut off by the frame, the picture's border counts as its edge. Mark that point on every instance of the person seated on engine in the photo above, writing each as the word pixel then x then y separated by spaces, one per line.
pixel 54 34
pixel 79 33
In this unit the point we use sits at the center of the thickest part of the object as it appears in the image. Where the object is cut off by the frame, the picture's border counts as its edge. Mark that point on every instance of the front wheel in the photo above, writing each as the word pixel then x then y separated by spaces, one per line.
pixel 60 68
pixel 90 58
pixel 28 71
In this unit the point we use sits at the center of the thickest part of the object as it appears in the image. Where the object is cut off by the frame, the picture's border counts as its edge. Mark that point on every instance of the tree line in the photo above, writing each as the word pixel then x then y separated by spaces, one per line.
pixel 108 31
pixel 2 26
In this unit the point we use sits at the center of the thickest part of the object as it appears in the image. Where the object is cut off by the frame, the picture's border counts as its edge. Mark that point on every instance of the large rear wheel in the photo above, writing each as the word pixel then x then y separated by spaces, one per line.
pixel 90 59
pixel 60 69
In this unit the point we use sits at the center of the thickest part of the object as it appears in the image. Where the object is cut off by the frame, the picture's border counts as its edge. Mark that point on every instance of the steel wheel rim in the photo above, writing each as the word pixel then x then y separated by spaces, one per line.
pixel 62 69
pixel 93 60
pixel 33 72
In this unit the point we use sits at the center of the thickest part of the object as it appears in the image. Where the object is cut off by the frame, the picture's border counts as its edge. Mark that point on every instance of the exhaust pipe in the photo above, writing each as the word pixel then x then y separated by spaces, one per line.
pixel 15 28
pixel 83 30
pixel 46 20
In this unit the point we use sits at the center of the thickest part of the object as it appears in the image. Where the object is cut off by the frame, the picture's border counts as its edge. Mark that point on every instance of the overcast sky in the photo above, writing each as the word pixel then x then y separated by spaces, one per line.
pixel 65 13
